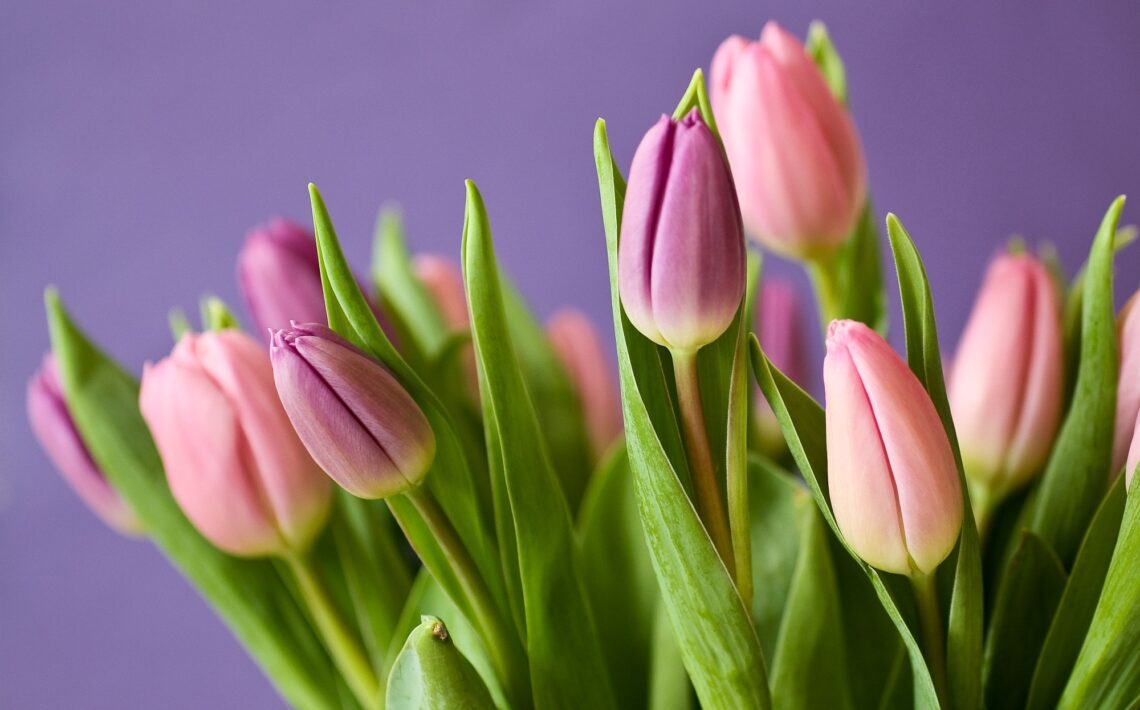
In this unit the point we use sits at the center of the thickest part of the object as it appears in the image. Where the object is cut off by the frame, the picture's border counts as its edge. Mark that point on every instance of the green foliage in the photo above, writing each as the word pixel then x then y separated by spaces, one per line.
pixel 431 674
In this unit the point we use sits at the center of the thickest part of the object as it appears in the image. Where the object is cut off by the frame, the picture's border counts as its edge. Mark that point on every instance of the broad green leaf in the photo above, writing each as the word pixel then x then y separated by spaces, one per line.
pixel 717 641
pixel 1077 475
pixel 825 56
pixel 1027 599
pixel 802 421
pixel 247 594
pixel 924 356
pixel 811 645
pixel 619 577
pixel 1075 610
pixel 1107 672
pixel 669 687
pixel 431 673
pixel 558 621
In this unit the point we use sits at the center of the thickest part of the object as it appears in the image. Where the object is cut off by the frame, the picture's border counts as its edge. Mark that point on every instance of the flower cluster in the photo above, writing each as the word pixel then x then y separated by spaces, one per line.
pixel 417 445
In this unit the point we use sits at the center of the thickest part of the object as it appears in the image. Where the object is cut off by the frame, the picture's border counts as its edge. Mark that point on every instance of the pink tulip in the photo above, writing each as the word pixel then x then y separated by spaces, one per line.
pixel 444 283
pixel 1006 387
pixel 779 326
pixel 580 349
pixel 794 151
pixel 891 472
pixel 232 459
pixel 279 275
pixel 1128 389
pixel 56 431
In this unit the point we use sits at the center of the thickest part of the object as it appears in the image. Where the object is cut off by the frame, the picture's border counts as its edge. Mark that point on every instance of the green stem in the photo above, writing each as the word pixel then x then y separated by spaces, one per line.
pixel 709 503
pixel 502 643
pixel 984 503
pixel 347 654
pixel 824 273
pixel 930 621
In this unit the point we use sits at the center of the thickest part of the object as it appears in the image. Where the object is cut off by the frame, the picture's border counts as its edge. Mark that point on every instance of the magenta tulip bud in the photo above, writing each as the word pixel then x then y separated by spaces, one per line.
pixel 232 459
pixel 681 256
pixel 1006 387
pixel 794 151
pixel 354 417
pixel 893 481
pixel 444 284
pixel 56 431
pixel 779 327
pixel 280 275
pixel 1128 387
pixel 580 349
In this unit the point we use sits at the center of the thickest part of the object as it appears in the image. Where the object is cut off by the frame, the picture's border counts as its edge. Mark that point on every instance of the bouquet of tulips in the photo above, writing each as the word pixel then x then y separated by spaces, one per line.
pixel 410 494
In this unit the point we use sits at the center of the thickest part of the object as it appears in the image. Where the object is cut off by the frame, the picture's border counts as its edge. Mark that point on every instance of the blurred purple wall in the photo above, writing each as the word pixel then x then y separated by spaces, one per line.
pixel 139 140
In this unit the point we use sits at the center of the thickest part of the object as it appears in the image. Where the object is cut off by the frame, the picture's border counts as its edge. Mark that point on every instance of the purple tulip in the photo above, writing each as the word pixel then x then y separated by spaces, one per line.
pixel 681 258
pixel 354 417
pixel 54 428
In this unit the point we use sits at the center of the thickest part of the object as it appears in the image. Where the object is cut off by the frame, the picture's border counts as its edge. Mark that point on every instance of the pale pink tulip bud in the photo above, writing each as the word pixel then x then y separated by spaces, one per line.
pixel 56 431
pixel 580 349
pixel 891 472
pixel 444 283
pixel 1128 388
pixel 794 151
pixel 232 459
pixel 1006 387
pixel 779 326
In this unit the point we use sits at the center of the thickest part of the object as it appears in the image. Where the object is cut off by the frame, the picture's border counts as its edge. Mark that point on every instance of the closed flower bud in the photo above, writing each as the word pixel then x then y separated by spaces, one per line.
pixel 56 431
pixel 1006 387
pixel 681 257
pixel 794 151
pixel 580 349
pixel 232 459
pixel 444 284
pixel 354 417
pixel 779 327
pixel 891 473
pixel 1128 388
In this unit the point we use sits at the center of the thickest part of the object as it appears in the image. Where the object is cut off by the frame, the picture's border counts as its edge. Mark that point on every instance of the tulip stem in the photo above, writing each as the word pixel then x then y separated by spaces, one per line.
pixel 709 503
pixel 930 622
pixel 502 643
pixel 824 274
pixel 342 645
pixel 984 504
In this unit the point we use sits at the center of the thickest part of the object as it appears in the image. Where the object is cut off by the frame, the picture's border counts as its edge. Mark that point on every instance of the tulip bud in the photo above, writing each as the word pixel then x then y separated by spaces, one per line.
pixel 354 417
pixel 233 461
pixel 1128 387
pixel 794 151
pixel 580 349
pixel 1006 387
pixel 681 256
pixel 779 325
pixel 56 431
pixel 444 283
pixel 892 477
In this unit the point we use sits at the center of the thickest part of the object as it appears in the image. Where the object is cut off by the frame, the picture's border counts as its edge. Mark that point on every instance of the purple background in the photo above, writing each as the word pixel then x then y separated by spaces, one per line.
pixel 139 140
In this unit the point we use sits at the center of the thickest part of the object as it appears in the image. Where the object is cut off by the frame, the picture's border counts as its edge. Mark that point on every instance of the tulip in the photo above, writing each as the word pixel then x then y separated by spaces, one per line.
pixel 444 283
pixel 681 257
pixel 1128 388
pixel 892 476
pixel 232 459
pixel 580 349
pixel 354 417
pixel 779 326
pixel 1006 386
pixel 56 431
pixel 794 151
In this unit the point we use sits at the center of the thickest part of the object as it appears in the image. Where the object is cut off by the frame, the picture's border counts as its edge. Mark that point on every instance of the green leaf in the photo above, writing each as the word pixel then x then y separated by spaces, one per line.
pixel 179 323
pixel 1075 611
pixel 1028 597
pixel 619 576
pixel 802 421
pixel 1077 474
pixel 860 274
pixel 558 621
pixel 216 315
pixel 430 673
pixel 247 594
pixel 1107 672
pixel 924 356
pixel 825 56
pixel 669 687
pixel 717 641
pixel 811 645
pixel 696 97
